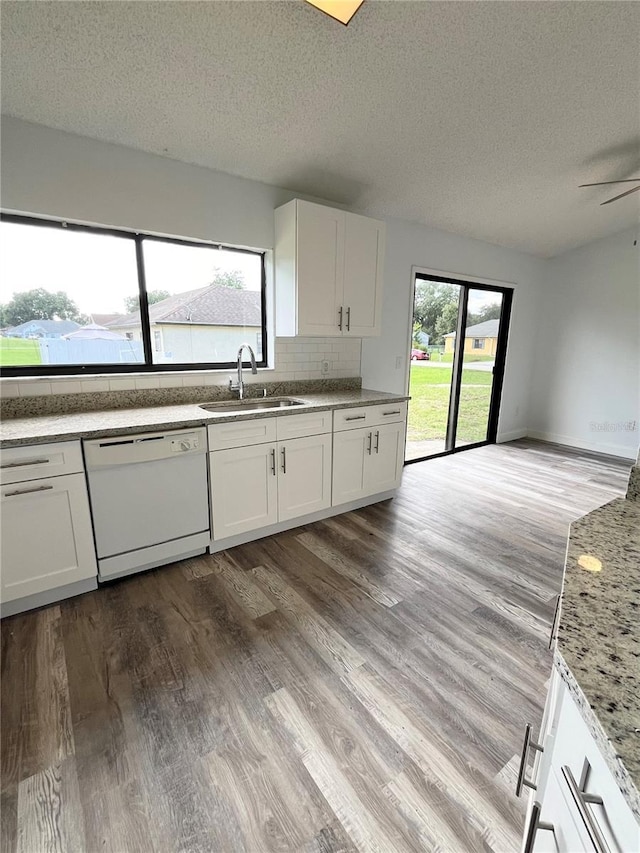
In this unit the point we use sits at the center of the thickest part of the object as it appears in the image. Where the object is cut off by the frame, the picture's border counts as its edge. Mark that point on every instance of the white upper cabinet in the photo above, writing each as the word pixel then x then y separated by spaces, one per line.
pixel 329 271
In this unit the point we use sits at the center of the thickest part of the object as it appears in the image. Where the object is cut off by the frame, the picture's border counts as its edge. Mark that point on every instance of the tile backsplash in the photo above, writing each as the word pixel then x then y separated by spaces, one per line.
pixel 295 358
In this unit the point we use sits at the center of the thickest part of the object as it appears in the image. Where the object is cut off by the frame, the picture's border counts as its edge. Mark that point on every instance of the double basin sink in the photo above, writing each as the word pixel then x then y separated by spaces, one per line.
pixel 251 405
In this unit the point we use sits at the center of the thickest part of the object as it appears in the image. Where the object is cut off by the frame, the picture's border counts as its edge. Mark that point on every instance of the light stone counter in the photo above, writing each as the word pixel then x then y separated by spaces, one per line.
pixel 598 648
pixel 108 422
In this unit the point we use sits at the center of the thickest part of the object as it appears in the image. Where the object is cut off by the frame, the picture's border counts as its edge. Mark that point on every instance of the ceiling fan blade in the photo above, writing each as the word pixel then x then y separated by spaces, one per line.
pixel 602 183
pixel 622 195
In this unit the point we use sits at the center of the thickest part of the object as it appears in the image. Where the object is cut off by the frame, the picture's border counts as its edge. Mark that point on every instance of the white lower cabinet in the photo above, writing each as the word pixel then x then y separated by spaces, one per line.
pixel 577 804
pixel 47 540
pixel 257 486
pixel 367 461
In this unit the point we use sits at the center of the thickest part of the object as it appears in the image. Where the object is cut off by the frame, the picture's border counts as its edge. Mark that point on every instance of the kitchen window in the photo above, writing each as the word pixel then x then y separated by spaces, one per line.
pixel 75 299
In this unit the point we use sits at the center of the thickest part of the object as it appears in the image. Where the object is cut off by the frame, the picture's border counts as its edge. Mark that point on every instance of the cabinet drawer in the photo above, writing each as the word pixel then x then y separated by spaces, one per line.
pixel 241 433
pixel 20 464
pixel 387 413
pixel 298 426
pixel 361 416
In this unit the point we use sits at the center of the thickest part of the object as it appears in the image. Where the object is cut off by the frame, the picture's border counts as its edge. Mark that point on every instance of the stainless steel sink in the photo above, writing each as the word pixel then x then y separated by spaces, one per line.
pixel 251 405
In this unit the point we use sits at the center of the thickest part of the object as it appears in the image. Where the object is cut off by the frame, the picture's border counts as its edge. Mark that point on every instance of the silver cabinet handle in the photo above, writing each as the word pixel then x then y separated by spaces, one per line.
pixel 377 447
pixel 28 491
pixel 394 412
pixel 369 437
pixel 582 801
pixel 554 624
pixel 356 418
pixel 284 460
pixel 534 825
pixel 348 319
pixel 340 318
pixel 24 464
pixel 273 461
pixel 522 772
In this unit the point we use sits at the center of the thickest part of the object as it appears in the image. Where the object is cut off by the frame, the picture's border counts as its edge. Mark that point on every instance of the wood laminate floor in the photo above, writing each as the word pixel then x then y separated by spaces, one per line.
pixel 356 684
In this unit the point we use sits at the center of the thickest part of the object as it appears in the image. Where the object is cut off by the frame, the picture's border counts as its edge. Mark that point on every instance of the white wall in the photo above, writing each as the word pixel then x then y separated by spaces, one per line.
pixel 48 172
pixel 587 362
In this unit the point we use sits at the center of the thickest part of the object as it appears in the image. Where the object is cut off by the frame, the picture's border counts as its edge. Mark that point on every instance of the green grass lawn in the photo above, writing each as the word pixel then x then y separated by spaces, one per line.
pixel 15 352
pixel 430 388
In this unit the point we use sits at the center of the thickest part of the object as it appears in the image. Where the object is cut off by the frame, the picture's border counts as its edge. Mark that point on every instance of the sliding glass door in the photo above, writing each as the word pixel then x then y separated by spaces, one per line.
pixel 458 349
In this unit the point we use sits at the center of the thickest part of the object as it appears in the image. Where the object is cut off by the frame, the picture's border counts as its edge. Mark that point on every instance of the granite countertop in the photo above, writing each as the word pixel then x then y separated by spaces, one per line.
pixel 598 649
pixel 65 427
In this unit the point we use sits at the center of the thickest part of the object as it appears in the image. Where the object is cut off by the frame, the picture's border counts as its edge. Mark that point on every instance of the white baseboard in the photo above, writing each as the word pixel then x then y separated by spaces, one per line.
pixel 251 535
pixel 511 435
pixel 595 446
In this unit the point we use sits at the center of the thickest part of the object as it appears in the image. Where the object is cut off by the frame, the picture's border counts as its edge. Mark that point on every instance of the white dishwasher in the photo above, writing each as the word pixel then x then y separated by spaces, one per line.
pixel 149 499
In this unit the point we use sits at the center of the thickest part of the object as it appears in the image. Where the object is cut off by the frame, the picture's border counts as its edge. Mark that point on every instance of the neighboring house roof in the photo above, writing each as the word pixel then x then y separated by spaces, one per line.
pixel 488 329
pixel 214 305
pixel 48 327
pixel 103 319
pixel 93 332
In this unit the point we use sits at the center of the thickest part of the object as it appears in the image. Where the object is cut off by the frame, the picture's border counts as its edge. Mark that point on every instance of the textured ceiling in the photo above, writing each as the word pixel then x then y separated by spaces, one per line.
pixel 479 118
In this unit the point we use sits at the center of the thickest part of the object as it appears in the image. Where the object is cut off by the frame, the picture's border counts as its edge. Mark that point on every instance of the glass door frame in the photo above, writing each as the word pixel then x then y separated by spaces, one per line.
pixel 467 284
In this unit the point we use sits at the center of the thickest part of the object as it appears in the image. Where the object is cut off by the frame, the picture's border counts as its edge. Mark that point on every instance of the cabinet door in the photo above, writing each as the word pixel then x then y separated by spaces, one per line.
pixel 363 275
pixel 350 450
pixel 383 467
pixel 573 744
pixel 244 489
pixel 320 268
pixel 47 540
pixel 38 462
pixel 304 478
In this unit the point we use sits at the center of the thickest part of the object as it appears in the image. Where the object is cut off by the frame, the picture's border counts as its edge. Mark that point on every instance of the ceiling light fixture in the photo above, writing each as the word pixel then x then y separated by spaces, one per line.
pixel 340 10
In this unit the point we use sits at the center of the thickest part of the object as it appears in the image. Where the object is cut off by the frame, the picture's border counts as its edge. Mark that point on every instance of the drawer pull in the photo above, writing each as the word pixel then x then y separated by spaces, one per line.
pixel 522 772
pixel 554 624
pixel 28 491
pixel 534 825
pixel 394 412
pixel 356 418
pixel 27 462
pixel 583 800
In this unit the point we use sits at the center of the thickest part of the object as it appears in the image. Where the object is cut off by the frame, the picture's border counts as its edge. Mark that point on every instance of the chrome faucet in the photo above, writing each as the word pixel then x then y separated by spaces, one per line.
pixel 239 385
